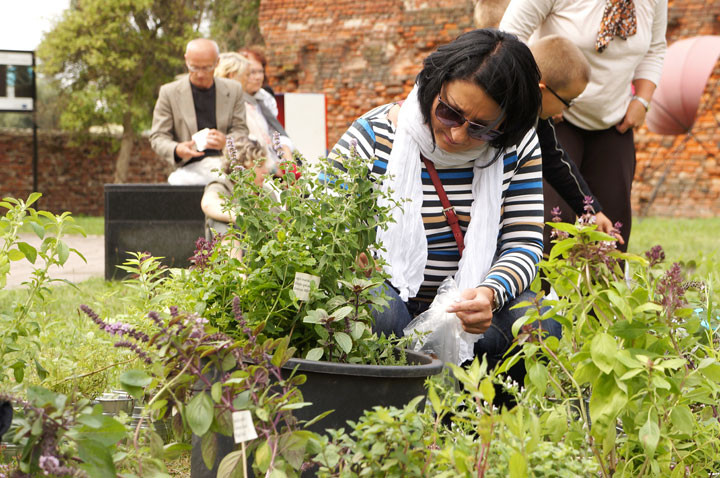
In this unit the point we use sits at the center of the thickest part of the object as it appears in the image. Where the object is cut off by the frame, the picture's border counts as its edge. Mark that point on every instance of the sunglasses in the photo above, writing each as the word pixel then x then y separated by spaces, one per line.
pixel 452 119
pixel 567 103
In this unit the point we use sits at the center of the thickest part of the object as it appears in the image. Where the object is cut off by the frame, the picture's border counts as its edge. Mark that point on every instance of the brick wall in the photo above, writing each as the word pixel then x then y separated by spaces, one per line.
pixel 366 53
pixel 360 54
pixel 680 175
pixel 363 54
pixel 71 173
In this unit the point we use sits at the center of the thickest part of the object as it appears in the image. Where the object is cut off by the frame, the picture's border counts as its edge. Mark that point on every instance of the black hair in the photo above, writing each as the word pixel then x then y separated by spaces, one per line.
pixel 500 64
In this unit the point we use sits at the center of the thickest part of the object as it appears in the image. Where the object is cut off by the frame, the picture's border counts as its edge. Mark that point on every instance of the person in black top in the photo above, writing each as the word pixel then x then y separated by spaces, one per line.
pixel 564 75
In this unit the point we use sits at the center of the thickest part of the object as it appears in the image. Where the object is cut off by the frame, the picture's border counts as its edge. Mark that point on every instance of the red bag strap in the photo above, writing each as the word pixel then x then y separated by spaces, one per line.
pixel 448 209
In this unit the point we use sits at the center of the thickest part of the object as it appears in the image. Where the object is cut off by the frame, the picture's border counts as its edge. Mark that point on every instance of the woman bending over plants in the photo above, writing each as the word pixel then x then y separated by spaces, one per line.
pixel 463 161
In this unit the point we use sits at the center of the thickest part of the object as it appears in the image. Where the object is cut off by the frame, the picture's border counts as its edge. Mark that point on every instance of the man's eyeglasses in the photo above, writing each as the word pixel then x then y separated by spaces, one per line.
pixel 567 103
pixel 256 72
pixel 453 119
pixel 195 69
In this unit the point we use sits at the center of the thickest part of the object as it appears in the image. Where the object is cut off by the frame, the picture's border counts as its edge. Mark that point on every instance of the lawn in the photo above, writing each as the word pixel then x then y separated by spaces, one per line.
pixel 92 225
pixel 682 239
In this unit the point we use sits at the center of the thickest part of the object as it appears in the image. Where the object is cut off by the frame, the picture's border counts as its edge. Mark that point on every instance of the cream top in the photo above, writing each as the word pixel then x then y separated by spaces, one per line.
pixel 606 98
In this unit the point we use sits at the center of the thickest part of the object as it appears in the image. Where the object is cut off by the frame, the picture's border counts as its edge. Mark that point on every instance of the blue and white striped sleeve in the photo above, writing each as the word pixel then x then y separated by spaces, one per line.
pixel 361 134
pixel 520 244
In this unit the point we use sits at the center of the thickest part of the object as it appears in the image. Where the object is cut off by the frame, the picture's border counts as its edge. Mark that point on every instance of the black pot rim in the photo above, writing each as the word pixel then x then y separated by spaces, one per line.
pixel 425 367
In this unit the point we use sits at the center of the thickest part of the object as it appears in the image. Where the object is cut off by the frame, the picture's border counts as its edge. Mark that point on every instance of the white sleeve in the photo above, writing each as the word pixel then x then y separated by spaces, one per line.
pixel 523 17
pixel 650 68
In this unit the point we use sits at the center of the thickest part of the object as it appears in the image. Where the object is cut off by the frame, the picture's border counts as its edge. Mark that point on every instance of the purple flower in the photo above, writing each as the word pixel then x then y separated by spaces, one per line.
pixel 556 213
pixel 656 255
pixel 197 324
pixel 49 464
pixel 203 251
pixel 118 328
pixel 670 288
pixel 135 348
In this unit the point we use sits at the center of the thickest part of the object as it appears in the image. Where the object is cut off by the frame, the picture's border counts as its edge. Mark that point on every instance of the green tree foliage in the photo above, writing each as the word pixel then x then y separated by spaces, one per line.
pixel 112 56
pixel 234 23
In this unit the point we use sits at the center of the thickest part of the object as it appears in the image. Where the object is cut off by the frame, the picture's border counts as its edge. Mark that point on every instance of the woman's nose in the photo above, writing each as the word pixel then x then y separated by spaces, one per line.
pixel 459 133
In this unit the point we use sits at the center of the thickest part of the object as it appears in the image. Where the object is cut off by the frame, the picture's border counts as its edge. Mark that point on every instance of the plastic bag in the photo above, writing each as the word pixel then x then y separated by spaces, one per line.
pixel 440 333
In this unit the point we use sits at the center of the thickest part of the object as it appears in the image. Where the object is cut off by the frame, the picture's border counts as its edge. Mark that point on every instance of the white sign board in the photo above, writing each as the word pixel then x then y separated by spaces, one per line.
pixel 306 123
pixel 17 82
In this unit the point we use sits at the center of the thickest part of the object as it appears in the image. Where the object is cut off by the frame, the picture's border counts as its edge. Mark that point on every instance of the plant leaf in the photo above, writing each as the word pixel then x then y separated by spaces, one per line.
pixel 199 413
pixel 216 392
pixel 649 436
pixel 208 447
pixel 97 460
pixel 231 466
pixel 15 255
pixel 63 252
pixel 38 229
pixel 683 419
pixel 342 312
pixel 344 341
pixel 603 349
pixel 315 354
pixel 262 457
pixel 134 381
pixel 29 251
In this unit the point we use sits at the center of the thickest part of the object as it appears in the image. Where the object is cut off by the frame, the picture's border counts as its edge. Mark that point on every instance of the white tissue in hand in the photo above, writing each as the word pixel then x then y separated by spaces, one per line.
pixel 200 139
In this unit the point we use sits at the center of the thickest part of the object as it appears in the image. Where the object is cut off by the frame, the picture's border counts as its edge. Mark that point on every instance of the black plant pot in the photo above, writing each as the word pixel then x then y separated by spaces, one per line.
pixel 348 389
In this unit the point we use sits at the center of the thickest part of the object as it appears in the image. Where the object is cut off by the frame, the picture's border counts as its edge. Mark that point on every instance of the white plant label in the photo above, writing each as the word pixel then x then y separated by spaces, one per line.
pixel 301 287
pixel 243 428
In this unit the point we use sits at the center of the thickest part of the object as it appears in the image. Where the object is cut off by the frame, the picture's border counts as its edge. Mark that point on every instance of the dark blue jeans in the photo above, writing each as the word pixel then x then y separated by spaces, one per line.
pixel 496 340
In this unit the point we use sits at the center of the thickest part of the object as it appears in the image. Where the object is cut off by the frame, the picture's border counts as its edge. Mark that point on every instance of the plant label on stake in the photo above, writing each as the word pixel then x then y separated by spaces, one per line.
pixel 243 428
pixel 301 287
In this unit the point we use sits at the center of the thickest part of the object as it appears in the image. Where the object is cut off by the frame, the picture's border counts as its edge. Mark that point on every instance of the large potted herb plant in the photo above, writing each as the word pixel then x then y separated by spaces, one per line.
pixel 300 277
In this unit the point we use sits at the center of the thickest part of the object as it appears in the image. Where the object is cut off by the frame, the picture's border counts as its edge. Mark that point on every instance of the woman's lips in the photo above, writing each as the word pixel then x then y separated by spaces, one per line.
pixel 448 139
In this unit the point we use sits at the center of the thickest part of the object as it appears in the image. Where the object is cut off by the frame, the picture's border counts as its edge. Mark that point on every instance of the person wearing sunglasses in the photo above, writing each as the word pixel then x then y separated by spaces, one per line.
pixel 470 118
pixel 624 43
pixel 563 65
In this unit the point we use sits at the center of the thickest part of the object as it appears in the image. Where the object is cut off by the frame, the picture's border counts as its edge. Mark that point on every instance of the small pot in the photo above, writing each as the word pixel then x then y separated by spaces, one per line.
pixel 10 451
pixel 115 401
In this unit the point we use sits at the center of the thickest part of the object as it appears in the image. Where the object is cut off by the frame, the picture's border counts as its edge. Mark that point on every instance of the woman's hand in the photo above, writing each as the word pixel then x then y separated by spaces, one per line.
pixel 604 224
pixel 634 117
pixel 474 309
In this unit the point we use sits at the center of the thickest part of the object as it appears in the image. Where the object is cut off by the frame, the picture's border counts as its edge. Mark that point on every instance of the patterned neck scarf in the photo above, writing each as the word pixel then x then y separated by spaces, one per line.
pixel 618 19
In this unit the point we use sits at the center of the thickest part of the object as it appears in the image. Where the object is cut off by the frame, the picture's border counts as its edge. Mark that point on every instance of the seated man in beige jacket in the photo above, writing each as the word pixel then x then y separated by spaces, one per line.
pixel 196 103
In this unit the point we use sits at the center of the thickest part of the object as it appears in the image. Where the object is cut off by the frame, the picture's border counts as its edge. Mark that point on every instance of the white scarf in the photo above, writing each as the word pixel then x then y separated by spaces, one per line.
pixel 404 241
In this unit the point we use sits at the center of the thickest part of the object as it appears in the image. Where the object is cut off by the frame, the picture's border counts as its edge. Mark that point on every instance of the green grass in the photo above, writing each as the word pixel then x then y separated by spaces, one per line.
pixel 92 225
pixel 683 240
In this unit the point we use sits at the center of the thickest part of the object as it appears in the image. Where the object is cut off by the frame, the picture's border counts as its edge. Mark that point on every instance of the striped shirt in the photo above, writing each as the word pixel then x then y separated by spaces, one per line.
pixel 521 221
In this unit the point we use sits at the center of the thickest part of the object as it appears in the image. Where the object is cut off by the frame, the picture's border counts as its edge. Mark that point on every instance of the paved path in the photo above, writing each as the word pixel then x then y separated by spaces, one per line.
pixel 74 270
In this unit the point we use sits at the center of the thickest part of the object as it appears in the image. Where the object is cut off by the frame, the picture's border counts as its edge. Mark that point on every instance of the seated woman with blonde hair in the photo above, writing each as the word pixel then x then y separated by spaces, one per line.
pixel 263 125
